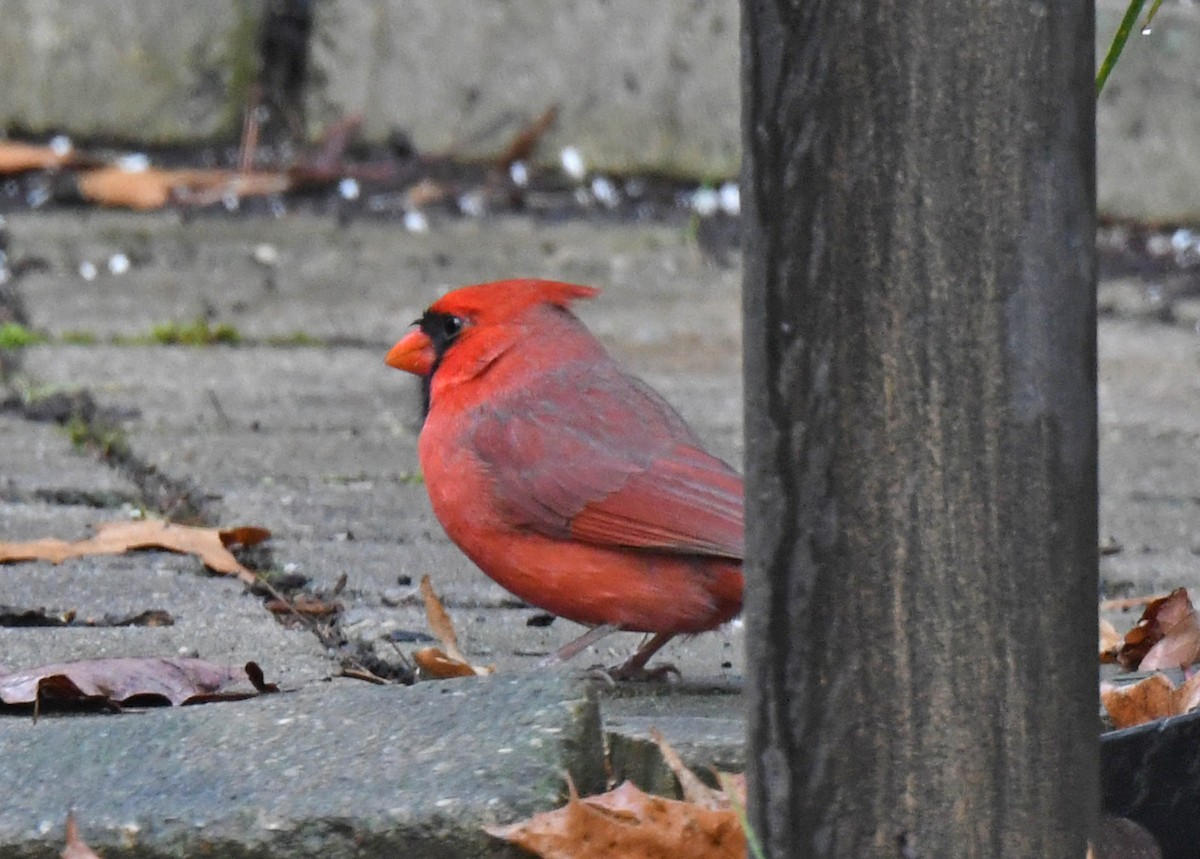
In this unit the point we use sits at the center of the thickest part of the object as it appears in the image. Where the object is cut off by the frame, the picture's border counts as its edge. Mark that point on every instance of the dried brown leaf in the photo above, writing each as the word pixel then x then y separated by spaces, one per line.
pixel 1170 615
pixel 308 605
pixel 132 680
pixel 76 847
pixel 20 157
pixel 693 789
pixel 154 188
pixel 628 822
pixel 1150 699
pixel 439 620
pixel 451 662
pixel 438 665
pixel 1139 702
pixel 1110 642
pixel 1179 647
pixel 116 538
pixel 523 144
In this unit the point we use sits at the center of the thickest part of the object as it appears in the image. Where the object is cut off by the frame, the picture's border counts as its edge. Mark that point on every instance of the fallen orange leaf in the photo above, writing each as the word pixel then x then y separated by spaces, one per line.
pixel 451 662
pixel 1110 642
pixel 1166 636
pixel 1150 699
pixel 627 822
pixel 175 681
pixel 76 847
pixel 154 188
pixel 434 662
pixel 116 538
pixel 20 157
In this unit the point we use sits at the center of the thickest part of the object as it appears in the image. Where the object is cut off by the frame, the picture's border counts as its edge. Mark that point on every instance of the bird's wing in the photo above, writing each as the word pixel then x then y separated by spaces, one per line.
pixel 618 467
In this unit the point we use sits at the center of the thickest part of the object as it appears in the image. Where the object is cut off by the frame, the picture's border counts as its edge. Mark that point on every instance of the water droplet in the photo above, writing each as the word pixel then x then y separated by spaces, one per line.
pixel 87 270
pixel 519 173
pixel 349 189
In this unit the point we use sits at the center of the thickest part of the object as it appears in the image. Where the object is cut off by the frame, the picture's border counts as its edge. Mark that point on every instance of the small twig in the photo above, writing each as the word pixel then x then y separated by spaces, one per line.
pixel 523 144
pixel 1126 603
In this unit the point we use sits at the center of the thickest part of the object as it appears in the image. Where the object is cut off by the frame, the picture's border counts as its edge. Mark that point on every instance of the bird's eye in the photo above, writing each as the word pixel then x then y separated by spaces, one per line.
pixel 451 325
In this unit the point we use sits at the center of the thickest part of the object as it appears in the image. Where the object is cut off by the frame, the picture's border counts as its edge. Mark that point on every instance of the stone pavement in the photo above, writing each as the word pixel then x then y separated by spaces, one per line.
pixel 300 428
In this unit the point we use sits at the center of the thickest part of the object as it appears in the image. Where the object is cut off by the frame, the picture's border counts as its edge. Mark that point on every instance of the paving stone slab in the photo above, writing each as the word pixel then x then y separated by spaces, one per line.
pixel 336 770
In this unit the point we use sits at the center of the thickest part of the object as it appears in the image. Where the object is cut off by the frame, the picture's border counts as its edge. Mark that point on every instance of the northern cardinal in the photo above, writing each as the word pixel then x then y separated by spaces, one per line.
pixel 568 481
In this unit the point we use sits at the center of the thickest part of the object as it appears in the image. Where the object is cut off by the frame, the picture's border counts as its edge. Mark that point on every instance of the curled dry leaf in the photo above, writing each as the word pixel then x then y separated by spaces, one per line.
pixel 133 680
pixel 434 662
pixel 628 822
pixel 1153 698
pixel 115 538
pixel 21 157
pixel 1110 642
pixel 451 662
pixel 1166 636
pixel 694 790
pixel 76 847
pixel 154 188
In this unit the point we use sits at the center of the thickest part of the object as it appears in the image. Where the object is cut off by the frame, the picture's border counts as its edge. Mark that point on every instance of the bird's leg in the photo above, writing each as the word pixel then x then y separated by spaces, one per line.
pixel 634 668
pixel 576 646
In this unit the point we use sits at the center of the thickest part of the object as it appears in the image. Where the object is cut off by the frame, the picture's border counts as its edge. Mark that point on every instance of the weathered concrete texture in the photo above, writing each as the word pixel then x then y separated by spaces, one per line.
pixel 336 770
pixel 639 85
pixel 1147 118
pixel 152 71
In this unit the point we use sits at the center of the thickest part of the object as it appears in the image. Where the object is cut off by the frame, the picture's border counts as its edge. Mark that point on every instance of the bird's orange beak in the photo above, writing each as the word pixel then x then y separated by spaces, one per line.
pixel 413 354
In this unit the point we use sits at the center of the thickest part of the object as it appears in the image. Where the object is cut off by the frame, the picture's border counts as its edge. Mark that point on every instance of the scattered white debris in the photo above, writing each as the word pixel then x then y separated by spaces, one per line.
pixel 730 197
pixel 266 254
pixel 471 204
pixel 118 264
pixel 1158 245
pixel 37 196
pixel 605 192
pixel 61 145
pixel 290 567
pixel 137 162
pixel 705 202
pixel 87 270
pixel 1182 239
pixel 572 163
pixel 415 221
pixel 349 189
pixel 519 173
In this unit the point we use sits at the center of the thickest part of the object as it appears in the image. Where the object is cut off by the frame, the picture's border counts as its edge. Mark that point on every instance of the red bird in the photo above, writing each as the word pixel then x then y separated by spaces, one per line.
pixel 568 481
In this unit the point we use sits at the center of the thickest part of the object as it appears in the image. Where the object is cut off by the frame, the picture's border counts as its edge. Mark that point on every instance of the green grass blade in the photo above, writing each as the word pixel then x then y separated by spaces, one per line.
pixel 1118 43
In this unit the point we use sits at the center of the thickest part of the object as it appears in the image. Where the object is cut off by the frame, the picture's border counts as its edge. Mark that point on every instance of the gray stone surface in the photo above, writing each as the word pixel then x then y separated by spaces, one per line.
pixel 152 71
pixel 639 85
pixel 317 443
pixel 1147 125
pixel 334 770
